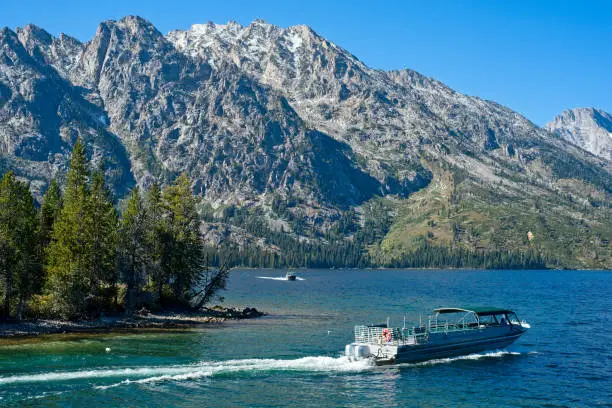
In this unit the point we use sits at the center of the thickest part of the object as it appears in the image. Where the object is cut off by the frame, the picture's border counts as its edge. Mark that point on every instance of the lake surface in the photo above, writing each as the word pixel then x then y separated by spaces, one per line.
pixel 293 357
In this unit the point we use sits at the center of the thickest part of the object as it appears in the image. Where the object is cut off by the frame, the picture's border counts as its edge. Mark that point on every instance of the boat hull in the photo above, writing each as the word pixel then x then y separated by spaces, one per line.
pixel 437 346
pixel 415 354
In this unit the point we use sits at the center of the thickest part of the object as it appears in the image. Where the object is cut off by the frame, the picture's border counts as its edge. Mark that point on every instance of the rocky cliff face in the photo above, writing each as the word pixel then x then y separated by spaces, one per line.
pixel 389 118
pixel 255 113
pixel 42 113
pixel 384 116
pixel 588 128
pixel 236 138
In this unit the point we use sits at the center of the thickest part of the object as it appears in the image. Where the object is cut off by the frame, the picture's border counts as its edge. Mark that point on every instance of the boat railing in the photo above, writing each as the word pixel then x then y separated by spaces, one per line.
pixel 396 336
pixel 452 327
pixel 403 336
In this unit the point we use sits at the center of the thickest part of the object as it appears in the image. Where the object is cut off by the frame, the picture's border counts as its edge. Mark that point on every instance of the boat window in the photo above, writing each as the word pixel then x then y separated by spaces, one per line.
pixel 458 320
pixel 501 319
pixel 488 320
pixel 468 319
pixel 513 318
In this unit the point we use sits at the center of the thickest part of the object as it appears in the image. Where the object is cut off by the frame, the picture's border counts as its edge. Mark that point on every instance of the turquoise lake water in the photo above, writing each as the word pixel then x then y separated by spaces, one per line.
pixel 293 357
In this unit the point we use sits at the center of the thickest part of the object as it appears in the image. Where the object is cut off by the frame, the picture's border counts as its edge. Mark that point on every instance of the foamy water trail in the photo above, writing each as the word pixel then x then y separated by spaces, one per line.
pixel 476 356
pixel 306 364
pixel 279 278
pixel 192 371
pixel 142 375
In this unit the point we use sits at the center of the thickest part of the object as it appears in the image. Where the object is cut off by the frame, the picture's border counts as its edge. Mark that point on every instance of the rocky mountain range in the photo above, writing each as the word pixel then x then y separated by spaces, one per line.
pixel 589 128
pixel 259 115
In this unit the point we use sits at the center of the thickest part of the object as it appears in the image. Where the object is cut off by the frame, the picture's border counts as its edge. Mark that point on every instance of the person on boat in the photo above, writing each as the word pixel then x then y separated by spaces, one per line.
pixel 503 322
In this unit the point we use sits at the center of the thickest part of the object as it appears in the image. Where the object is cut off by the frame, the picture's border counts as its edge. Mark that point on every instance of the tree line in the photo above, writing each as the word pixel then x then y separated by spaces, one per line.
pixel 293 254
pixel 336 251
pixel 77 257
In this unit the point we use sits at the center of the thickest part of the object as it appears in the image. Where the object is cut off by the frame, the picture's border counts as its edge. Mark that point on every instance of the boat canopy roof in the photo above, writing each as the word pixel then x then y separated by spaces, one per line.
pixel 477 310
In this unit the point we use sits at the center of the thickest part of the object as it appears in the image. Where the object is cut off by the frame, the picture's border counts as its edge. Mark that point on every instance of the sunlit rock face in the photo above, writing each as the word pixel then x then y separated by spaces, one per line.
pixel 588 128
pixel 250 111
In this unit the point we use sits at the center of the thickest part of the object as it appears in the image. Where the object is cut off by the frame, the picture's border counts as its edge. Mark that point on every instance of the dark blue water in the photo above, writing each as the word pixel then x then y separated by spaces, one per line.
pixel 293 357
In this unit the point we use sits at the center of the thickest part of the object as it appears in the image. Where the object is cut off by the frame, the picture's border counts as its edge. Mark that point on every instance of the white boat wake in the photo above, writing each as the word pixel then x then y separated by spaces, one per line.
pixel 192 371
pixel 476 356
pixel 143 375
pixel 279 278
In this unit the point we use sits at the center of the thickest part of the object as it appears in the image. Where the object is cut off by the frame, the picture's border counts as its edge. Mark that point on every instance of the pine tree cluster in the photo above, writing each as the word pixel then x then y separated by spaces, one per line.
pixel 76 258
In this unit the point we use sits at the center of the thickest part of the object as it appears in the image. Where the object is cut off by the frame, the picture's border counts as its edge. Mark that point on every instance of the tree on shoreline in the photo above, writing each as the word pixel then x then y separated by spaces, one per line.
pixel 102 225
pixel 8 230
pixel 29 268
pixel 67 256
pixel 88 253
pixel 81 257
pixel 49 212
pixel 155 237
pixel 134 248
pixel 183 255
pixel 210 281
pixel 19 261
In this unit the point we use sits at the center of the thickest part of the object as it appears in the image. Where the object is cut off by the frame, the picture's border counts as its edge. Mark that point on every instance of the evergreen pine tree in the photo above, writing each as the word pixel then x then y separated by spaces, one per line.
pixel 49 211
pixel 29 275
pixel 8 239
pixel 102 223
pixel 183 251
pixel 68 254
pixel 134 251
pixel 19 266
pixel 156 235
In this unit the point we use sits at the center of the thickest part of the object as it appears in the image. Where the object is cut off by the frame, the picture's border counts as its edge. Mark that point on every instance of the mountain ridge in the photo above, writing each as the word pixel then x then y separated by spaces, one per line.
pixel 256 114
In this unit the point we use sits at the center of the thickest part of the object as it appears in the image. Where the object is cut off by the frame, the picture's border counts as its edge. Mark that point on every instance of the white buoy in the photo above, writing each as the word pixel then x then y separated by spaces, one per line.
pixel 108 349
pixel 328 332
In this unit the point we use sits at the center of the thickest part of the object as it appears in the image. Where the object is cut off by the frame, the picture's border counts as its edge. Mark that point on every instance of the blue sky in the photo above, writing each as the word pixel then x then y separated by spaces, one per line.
pixel 537 57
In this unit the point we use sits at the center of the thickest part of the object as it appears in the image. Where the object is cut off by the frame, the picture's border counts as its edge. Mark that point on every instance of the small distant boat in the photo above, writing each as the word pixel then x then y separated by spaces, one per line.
pixel 290 276
pixel 450 332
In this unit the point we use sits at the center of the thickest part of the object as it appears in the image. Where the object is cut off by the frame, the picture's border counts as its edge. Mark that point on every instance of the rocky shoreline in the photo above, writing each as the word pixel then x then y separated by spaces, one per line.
pixel 141 320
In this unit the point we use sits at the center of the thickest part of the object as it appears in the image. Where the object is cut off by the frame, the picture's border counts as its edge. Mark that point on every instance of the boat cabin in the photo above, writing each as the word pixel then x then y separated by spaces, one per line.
pixel 474 316
pixel 461 321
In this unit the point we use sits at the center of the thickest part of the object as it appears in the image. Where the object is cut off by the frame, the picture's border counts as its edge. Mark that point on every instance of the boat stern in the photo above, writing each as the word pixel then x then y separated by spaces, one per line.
pixel 356 351
pixel 379 353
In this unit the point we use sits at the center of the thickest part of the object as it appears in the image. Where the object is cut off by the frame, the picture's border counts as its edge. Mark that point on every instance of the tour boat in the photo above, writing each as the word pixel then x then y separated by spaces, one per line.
pixel 450 332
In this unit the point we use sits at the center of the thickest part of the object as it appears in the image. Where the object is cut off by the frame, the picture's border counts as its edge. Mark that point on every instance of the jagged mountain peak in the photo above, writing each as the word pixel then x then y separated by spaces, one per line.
pixel 261 22
pixel 601 117
pixel 60 52
pixel 334 91
pixel 12 51
pixel 211 26
pixel 32 32
pixel 8 36
pixel 589 128
pixel 137 28
pixel 235 34
pixel 136 25
pixel 6 31
pixel 35 33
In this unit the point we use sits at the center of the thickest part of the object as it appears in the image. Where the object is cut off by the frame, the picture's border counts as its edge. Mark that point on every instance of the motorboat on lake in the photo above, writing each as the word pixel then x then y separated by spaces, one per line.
pixel 290 276
pixel 449 332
